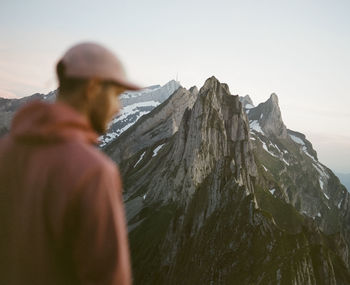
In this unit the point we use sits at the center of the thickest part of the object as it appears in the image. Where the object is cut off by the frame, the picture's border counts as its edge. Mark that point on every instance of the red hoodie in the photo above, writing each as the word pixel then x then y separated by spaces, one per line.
pixel 61 211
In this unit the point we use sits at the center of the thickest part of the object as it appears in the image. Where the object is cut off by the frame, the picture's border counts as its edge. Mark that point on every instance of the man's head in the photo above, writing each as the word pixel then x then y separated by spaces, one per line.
pixel 91 78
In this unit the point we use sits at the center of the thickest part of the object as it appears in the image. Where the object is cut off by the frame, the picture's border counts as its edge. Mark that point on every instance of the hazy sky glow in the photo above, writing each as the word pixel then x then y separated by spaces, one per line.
pixel 298 49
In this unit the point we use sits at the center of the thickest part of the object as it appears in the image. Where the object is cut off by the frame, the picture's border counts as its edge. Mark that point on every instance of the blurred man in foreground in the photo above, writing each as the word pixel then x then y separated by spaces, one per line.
pixel 61 211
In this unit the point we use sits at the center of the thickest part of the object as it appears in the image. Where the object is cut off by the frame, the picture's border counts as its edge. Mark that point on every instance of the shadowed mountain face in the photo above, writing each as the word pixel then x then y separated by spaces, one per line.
pixel 214 196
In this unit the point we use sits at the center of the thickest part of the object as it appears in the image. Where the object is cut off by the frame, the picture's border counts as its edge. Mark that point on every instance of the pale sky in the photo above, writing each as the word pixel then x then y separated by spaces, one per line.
pixel 298 49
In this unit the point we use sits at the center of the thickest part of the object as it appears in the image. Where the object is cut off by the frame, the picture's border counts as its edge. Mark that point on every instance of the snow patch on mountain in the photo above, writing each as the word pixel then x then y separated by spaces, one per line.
pixel 155 151
pixel 255 126
pixel 323 175
pixel 264 145
pixel 111 135
pixel 135 105
pixel 141 157
pixel 133 109
pixel 321 183
pixel 297 140
pixel 309 155
pixel 303 146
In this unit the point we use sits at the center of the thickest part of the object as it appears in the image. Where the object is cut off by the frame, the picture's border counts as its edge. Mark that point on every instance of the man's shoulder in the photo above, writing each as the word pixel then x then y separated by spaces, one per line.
pixel 85 156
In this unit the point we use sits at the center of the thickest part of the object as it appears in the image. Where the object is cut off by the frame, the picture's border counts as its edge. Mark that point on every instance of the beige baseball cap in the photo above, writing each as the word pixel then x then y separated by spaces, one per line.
pixel 91 60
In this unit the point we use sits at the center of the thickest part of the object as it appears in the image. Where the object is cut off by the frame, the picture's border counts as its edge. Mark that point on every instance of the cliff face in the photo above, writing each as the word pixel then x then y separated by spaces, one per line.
pixel 291 166
pixel 201 207
pixel 213 137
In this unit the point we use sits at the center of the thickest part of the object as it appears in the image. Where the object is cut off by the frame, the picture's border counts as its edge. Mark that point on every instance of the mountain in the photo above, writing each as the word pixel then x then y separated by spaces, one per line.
pixel 220 191
pixel 268 117
pixel 345 179
pixel 8 107
pixel 220 194
pixel 135 105
pixel 289 158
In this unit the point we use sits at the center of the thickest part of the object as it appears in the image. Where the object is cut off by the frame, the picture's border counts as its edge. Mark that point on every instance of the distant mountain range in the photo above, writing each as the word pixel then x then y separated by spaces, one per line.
pixel 220 191
pixel 8 107
pixel 135 105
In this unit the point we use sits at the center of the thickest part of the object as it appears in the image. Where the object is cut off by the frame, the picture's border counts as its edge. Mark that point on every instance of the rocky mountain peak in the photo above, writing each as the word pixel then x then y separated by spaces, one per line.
pixel 222 117
pixel 268 115
pixel 210 83
pixel 173 84
pixel 213 83
pixel 215 90
pixel 274 99
pixel 212 139
pixel 194 89
pixel 247 102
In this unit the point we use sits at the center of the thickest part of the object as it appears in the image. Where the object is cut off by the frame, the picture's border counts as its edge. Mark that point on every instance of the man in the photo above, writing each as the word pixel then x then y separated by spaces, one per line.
pixel 61 210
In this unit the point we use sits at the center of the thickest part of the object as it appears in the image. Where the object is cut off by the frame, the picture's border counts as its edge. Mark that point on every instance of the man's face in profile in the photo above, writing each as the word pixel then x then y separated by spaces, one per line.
pixel 105 104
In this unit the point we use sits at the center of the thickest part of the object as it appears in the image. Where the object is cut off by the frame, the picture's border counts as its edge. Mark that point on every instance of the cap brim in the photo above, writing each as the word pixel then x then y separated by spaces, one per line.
pixel 128 85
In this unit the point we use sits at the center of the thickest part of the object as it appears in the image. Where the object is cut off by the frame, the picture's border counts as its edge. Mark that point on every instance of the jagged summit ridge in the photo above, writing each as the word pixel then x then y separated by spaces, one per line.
pixel 213 136
pixel 221 129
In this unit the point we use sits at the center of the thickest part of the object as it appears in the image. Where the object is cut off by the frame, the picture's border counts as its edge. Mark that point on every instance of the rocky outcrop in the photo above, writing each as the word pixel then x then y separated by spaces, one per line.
pixel 270 118
pixel 247 102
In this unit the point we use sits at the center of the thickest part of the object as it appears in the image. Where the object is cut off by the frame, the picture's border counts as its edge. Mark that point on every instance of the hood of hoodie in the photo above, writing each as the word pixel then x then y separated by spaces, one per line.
pixel 42 122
